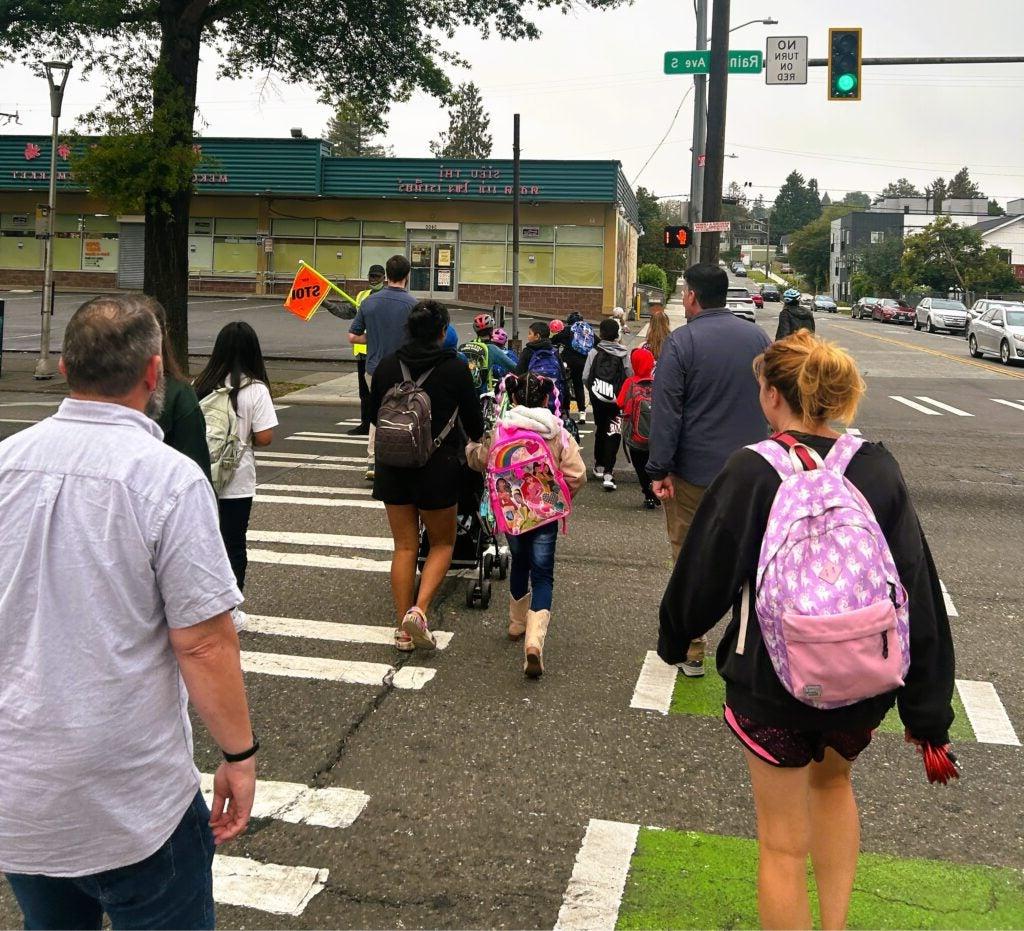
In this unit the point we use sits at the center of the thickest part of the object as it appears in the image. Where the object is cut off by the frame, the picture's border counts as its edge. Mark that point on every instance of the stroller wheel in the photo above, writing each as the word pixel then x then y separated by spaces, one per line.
pixel 471 594
pixel 485 594
pixel 488 565
pixel 503 563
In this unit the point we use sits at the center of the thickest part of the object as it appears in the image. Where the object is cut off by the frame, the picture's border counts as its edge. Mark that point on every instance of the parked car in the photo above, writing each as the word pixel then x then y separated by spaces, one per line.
pixel 739 301
pixel 983 306
pixel 770 293
pixel 757 299
pixel 1000 331
pixel 939 313
pixel 740 271
pixel 889 310
pixel 786 268
pixel 824 302
pixel 863 307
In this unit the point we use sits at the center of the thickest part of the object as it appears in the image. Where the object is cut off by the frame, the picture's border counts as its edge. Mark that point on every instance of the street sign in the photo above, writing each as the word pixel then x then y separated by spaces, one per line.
pixel 740 62
pixel 786 60
pixel 713 226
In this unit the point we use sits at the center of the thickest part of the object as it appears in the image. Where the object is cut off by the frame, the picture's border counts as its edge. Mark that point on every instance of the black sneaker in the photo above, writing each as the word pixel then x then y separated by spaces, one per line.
pixel 651 503
pixel 359 430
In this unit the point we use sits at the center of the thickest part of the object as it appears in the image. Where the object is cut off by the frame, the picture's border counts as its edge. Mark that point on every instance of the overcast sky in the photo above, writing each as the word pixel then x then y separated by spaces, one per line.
pixel 592 87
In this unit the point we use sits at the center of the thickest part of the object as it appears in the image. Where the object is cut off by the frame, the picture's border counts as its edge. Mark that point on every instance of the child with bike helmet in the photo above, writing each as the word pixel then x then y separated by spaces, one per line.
pixel 793 316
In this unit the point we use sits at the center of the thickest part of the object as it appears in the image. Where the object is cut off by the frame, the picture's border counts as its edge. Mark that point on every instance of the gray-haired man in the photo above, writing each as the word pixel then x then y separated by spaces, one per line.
pixel 115 597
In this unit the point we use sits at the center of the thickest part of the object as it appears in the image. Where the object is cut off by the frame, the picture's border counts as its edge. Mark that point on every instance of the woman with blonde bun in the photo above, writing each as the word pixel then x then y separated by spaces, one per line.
pixel 800 755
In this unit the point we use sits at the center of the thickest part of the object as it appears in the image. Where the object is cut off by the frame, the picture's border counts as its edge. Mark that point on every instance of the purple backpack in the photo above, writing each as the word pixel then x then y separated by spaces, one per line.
pixel 833 613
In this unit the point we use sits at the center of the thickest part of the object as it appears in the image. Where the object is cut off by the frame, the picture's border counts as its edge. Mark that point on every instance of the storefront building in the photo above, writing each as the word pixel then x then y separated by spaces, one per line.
pixel 262 205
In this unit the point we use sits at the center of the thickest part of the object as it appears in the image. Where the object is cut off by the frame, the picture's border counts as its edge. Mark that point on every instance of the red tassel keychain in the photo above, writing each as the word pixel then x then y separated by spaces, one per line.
pixel 940 764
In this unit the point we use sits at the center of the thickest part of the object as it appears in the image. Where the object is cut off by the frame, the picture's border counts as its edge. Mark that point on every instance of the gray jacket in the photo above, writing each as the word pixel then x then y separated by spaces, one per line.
pixel 705 397
pixel 616 349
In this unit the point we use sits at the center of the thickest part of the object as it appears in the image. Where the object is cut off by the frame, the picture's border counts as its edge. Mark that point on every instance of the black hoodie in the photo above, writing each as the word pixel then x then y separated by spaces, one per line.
pixel 449 386
pixel 717 569
pixel 793 317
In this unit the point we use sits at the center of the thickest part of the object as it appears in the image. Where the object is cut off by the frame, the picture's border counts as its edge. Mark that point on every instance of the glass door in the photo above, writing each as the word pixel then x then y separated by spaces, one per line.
pixel 421 256
pixel 433 255
pixel 444 269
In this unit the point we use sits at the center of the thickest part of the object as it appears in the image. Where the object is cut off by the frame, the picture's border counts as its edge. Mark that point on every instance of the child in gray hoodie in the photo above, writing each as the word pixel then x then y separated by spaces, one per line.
pixel 607 368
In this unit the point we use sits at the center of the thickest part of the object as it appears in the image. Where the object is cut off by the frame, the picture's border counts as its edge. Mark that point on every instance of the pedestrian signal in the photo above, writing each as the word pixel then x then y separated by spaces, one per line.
pixel 677 237
pixel 844 63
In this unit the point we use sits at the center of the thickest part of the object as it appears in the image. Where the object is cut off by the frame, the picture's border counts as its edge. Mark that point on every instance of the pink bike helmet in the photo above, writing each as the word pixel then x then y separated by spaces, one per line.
pixel 499 337
pixel 556 326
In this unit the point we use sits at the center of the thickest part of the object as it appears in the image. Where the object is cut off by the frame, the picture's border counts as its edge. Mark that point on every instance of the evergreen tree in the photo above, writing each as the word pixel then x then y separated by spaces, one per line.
pixel 796 205
pixel 351 134
pixel 826 201
pixel 759 211
pixel 994 208
pixel 937 192
pixel 962 186
pixel 468 134
pixel 901 188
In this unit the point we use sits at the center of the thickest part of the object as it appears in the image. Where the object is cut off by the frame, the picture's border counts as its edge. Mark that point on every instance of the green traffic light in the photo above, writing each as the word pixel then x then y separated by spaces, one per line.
pixel 845 83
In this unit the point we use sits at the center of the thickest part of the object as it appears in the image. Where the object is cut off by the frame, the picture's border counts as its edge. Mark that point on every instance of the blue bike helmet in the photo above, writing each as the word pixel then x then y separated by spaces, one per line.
pixel 791 296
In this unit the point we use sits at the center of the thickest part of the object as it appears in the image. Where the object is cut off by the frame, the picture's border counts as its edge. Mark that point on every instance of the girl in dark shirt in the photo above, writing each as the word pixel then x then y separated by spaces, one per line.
pixel 800 756
pixel 431 492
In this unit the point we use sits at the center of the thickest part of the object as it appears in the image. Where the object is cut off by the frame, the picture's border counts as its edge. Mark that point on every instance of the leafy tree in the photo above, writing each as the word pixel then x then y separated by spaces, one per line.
pixel 468 134
pixel 655 215
pixel 351 133
pixel 944 255
pixel 857 199
pixel 809 246
pixel 901 188
pixel 962 186
pixel 879 264
pixel 995 209
pixel 796 205
pixel 149 52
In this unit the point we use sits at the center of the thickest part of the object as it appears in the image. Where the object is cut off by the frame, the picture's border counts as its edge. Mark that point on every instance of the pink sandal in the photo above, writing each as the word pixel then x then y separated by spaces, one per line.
pixel 415 625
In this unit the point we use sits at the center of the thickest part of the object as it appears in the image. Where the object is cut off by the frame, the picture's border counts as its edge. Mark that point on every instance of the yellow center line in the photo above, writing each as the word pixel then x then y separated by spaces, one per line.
pixel 932 352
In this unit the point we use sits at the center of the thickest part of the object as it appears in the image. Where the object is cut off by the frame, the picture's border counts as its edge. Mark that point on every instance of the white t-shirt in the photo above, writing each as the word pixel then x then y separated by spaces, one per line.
pixel 255 414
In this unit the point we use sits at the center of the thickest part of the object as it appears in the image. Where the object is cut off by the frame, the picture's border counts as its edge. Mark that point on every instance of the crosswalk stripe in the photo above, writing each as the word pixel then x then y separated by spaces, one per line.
pixel 30 404
pixel 344 440
pixel 853 431
pixel 1013 404
pixel 309 457
pixel 320 502
pixel 15 420
pixel 268 887
pixel 337 540
pixel 987 715
pixel 332 631
pixel 295 803
pixel 594 892
pixel 950 607
pixel 316 561
pixel 310 464
pixel 915 405
pixel 655 685
pixel 281 407
pixel 944 407
pixel 348 423
pixel 316 489
pixel 350 672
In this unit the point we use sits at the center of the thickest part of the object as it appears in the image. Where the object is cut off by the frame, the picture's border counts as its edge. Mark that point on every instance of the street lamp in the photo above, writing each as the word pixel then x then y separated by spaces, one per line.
pixel 768 21
pixel 57 77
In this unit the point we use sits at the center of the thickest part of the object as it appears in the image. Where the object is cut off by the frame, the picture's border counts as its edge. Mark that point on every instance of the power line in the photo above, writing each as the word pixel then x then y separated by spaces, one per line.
pixel 663 138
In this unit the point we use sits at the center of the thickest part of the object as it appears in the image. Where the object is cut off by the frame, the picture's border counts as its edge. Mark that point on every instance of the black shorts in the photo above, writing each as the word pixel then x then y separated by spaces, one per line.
pixel 432 487
pixel 781 746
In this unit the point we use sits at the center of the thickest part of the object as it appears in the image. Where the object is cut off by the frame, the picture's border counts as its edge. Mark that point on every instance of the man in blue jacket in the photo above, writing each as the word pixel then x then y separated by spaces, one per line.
pixel 705 406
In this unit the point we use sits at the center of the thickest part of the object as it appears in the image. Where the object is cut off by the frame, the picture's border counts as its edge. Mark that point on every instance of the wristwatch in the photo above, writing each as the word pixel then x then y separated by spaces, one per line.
pixel 245 754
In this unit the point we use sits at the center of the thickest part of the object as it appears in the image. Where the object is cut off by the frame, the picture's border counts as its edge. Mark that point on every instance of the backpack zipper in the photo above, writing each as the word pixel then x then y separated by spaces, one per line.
pixel 885 644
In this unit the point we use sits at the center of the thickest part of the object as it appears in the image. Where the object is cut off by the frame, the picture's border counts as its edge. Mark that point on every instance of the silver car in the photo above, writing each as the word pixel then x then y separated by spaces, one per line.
pixel 939 313
pixel 982 306
pixel 1000 331
pixel 741 304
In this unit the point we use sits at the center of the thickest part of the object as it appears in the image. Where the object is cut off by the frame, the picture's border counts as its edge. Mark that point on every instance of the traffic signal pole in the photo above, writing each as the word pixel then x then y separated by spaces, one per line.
pixel 714 163
pixel 700 113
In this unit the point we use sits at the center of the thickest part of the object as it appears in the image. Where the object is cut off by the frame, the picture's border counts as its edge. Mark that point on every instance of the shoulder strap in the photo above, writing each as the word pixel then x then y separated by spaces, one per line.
pixel 447 429
pixel 839 456
pixel 802 457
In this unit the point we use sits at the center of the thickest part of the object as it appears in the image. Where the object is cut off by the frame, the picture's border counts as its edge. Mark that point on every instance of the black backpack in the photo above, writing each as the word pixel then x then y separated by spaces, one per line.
pixel 607 374
pixel 403 437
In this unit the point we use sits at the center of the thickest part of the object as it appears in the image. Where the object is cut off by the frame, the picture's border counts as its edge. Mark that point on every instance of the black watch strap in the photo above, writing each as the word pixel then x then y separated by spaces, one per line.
pixel 245 754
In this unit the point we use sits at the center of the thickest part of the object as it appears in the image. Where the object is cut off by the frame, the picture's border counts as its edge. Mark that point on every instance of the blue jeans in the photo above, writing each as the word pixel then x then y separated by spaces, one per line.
pixel 533 565
pixel 171 889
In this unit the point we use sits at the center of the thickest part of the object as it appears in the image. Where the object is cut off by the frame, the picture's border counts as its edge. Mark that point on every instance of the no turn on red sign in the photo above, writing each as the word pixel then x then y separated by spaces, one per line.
pixel 785 60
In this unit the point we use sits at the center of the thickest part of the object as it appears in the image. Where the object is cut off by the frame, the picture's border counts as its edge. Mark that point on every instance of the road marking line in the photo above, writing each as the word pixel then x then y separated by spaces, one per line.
pixel 281 407
pixel 339 541
pixel 950 607
pixel 310 457
pixel 1013 404
pixel 316 561
pixel 986 713
pixel 339 440
pixel 321 502
pixel 268 887
pixel 945 407
pixel 30 404
pixel 853 431
pixel 915 405
pixel 655 685
pixel 348 423
pixel 934 352
pixel 12 420
pixel 594 893
pixel 332 631
pixel 295 803
pixel 317 489
pixel 311 464
pixel 350 672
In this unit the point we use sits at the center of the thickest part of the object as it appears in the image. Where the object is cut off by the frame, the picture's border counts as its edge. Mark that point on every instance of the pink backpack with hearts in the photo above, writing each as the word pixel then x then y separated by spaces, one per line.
pixel 833 613
pixel 527 489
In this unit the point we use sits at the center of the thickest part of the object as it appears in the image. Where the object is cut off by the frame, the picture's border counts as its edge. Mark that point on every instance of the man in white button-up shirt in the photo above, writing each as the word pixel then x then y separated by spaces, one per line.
pixel 115 601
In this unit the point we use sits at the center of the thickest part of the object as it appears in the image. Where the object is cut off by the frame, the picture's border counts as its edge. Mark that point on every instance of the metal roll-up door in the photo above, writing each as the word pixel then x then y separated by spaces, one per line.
pixel 131 256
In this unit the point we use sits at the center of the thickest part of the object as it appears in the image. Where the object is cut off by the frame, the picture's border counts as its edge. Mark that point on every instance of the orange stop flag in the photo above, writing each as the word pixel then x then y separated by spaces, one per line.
pixel 308 291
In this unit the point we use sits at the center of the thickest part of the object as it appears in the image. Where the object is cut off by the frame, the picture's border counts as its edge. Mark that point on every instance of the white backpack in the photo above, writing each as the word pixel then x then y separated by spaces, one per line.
pixel 221 436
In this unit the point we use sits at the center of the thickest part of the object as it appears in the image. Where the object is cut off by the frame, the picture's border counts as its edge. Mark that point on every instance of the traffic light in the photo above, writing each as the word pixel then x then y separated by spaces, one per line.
pixel 677 237
pixel 844 53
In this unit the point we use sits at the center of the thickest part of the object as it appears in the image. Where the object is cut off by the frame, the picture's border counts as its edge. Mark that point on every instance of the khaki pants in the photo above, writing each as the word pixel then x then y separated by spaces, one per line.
pixel 679 511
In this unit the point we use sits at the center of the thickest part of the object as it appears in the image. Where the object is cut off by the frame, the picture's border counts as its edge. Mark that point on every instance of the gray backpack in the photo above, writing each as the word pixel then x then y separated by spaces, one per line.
pixel 403 424
pixel 222 437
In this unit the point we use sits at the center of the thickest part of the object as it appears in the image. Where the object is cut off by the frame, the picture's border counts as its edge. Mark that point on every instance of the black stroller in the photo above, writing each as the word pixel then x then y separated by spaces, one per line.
pixel 476 544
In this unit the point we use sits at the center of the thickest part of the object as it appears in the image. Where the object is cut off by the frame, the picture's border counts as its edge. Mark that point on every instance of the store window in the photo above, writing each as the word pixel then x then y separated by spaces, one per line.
pixel 483 263
pixel 383 229
pixel 19 247
pixel 536 263
pixel 99 243
pixel 579 256
pixel 234 246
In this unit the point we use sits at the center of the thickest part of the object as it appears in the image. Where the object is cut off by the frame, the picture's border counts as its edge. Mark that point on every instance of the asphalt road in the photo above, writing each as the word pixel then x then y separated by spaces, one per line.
pixel 481 784
pixel 282 335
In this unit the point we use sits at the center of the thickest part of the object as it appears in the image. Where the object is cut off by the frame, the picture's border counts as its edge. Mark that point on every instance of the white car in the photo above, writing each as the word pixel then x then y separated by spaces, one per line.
pixel 739 301
pixel 939 313
pixel 1000 331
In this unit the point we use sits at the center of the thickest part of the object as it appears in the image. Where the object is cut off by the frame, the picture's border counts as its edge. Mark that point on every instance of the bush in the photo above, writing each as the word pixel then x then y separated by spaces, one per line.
pixel 654 276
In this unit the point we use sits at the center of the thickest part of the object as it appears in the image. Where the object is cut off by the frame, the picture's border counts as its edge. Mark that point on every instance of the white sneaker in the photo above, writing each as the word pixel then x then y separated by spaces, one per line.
pixel 239 618
pixel 598 471
pixel 582 418
pixel 609 481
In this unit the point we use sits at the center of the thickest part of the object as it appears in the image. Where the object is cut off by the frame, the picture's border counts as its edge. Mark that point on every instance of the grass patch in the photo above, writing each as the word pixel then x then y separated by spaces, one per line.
pixel 689 880
pixel 706 696
pixel 278 389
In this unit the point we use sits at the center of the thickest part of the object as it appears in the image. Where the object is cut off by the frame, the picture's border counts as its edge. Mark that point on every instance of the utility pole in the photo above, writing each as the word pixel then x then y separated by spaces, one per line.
pixel 700 112
pixel 714 165
pixel 515 228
